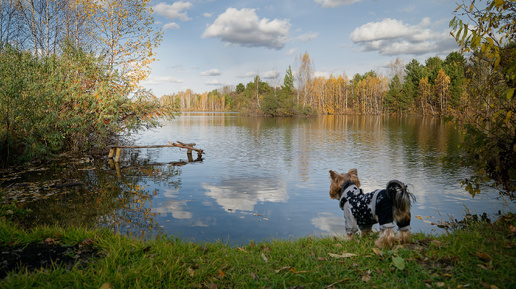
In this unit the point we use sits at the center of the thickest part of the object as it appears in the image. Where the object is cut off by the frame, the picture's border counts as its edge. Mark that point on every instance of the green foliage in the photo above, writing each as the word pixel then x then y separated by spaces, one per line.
pixel 394 97
pixel 64 102
pixel 487 118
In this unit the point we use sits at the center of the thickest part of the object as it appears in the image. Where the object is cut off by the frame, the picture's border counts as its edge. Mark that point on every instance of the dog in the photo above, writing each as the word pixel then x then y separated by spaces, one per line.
pixel 383 206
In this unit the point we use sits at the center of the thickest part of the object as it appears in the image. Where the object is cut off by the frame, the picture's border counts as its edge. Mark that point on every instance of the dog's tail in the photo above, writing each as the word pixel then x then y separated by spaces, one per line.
pixel 401 198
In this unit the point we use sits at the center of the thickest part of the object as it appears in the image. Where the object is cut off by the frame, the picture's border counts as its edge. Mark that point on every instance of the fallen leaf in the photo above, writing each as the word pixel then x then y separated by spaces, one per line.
pixel 254 276
pixel 377 251
pixel 399 263
pixel 440 284
pixel 106 286
pixel 436 243
pixel 241 249
pixel 484 257
pixel 49 241
pixel 190 272
pixel 264 258
pixel 419 217
pixel 221 274
pixel 87 241
pixel 447 275
pixel 338 245
pixel 367 276
pixel 344 255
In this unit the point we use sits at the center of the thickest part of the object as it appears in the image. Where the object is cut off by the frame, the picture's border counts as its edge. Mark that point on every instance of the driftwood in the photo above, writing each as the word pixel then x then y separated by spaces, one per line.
pixel 188 146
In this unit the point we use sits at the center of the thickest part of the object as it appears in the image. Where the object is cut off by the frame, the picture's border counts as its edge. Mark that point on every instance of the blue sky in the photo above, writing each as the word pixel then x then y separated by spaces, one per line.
pixel 211 43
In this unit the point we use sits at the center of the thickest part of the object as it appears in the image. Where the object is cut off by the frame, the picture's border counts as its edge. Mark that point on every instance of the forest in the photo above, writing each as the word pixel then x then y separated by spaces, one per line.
pixel 436 88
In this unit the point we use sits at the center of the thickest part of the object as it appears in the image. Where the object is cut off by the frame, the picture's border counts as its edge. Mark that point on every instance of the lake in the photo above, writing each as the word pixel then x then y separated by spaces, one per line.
pixel 259 178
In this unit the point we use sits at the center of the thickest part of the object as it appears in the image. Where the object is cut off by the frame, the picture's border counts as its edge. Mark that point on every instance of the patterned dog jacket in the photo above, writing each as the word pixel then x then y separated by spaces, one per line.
pixel 363 210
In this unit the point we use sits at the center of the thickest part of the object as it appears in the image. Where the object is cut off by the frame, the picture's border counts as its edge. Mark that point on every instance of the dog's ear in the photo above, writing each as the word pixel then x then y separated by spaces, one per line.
pixel 353 175
pixel 333 175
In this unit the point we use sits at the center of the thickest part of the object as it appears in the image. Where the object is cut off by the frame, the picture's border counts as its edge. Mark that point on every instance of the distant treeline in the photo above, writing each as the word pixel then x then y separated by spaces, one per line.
pixel 437 87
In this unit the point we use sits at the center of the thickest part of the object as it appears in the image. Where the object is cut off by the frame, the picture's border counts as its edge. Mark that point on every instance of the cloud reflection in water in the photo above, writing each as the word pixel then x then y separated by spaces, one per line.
pixel 244 193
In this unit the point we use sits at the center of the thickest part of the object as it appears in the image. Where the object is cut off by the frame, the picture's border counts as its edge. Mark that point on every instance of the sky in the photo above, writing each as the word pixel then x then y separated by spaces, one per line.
pixel 208 44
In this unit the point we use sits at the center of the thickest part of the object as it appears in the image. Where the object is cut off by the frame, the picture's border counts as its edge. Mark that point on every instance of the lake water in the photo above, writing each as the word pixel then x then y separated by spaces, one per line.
pixel 264 177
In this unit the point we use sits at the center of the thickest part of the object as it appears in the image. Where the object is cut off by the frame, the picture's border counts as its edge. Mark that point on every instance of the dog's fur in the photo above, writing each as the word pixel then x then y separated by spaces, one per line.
pixel 399 197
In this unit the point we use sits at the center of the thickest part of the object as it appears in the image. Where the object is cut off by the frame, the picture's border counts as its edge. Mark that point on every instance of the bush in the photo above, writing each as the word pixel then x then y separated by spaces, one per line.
pixel 66 102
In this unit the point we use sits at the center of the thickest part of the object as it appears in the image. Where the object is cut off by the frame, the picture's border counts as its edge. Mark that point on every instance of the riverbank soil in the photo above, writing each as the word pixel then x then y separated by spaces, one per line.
pixel 47 255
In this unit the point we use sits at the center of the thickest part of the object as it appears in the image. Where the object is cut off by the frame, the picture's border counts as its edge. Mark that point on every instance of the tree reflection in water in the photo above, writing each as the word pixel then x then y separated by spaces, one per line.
pixel 105 195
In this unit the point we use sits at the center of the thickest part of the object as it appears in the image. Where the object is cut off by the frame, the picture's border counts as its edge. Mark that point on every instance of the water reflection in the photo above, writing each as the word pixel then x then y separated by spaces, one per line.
pixel 243 194
pixel 114 197
pixel 261 177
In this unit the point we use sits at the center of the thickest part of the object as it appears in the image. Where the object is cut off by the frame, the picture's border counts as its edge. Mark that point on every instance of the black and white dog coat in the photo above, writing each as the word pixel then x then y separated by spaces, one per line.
pixel 364 210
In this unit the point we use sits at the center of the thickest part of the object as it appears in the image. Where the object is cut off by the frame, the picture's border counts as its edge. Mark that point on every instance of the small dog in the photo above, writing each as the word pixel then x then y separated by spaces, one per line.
pixel 380 206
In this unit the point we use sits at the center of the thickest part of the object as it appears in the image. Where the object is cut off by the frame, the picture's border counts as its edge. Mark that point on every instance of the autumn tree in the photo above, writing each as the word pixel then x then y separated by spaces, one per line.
pixel 488 119
pixel 123 30
pixel 442 91
pixel 305 71
pixel 423 94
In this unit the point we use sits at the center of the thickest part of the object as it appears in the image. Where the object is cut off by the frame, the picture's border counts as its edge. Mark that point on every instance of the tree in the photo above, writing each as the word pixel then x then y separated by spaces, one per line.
pixel 423 92
pixel 305 72
pixel 396 67
pixel 123 31
pixel 488 119
pixel 442 90
pixel 454 65
pixel 393 99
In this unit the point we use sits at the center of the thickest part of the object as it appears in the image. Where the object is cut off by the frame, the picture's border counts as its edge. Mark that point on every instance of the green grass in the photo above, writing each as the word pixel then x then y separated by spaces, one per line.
pixel 481 255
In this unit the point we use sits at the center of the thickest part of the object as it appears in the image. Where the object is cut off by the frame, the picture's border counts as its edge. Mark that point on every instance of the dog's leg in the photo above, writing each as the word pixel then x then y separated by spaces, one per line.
pixel 403 236
pixel 386 238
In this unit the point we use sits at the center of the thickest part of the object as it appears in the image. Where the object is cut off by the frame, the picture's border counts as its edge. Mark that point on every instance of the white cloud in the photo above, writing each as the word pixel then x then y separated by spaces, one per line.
pixel 211 72
pixel 171 25
pixel 393 37
pixel 215 82
pixel 249 74
pixel 271 74
pixel 207 15
pixel 308 36
pixel 291 52
pixel 162 80
pixel 335 3
pixel 173 11
pixel 244 28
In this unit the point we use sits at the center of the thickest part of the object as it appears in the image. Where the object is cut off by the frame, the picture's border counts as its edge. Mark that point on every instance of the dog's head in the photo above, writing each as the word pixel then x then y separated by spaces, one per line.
pixel 338 179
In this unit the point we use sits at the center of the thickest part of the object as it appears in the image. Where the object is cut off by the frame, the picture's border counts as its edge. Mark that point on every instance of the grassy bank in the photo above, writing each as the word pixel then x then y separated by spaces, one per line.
pixel 481 255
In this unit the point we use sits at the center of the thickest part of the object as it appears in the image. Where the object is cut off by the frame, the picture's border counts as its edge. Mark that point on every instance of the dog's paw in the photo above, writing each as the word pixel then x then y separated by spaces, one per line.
pixel 403 237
